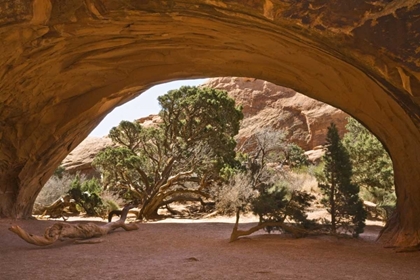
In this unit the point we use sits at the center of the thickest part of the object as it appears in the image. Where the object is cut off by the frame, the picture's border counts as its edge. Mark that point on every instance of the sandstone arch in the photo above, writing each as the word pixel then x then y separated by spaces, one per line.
pixel 65 64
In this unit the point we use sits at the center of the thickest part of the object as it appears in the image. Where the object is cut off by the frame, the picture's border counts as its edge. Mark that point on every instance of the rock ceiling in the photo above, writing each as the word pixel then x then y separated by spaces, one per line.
pixel 65 64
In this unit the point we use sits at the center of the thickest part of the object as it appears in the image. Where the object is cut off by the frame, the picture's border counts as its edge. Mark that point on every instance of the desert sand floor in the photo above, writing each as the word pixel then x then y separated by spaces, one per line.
pixel 199 249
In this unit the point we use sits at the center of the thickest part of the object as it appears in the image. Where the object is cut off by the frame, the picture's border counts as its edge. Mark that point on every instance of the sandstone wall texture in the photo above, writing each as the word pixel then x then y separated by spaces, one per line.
pixel 65 64
pixel 266 105
pixel 80 159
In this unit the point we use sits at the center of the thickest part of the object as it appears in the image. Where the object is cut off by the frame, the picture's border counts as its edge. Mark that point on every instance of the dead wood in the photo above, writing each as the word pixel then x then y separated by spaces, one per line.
pixel 119 212
pixel 62 207
pixel 74 231
pixel 173 211
pixel 295 231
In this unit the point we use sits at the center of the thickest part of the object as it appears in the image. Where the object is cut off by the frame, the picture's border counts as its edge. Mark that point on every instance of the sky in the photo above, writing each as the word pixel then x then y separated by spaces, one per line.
pixel 142 106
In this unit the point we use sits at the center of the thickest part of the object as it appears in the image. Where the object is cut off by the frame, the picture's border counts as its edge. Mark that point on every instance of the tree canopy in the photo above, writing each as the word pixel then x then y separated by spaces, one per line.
pixel 341 194
pixel 372 166
pixel 180 158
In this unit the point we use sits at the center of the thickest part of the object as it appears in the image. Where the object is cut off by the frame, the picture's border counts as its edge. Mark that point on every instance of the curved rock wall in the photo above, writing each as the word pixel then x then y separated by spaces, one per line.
pixel 65 64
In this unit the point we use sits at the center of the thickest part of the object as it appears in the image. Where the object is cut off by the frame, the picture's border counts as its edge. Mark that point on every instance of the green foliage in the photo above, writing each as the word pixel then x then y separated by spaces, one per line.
pixel 59 172
pixel 270 205
pixel 263 187
pixel 317 171
pixel 179 159
pixel 110 202
pixel 296 156
pixel 87 195
pixel 341 196
pixel 280 204
pixel 194 116
pixel 372 166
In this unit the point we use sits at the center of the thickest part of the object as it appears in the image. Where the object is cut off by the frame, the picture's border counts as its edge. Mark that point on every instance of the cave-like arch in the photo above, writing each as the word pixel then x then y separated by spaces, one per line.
pixel 65 64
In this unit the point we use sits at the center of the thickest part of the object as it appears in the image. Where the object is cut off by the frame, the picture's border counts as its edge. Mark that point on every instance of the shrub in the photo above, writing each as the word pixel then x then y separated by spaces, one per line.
pixel 87 195
pixel 281 204
pixel 55 188
pixel 235 195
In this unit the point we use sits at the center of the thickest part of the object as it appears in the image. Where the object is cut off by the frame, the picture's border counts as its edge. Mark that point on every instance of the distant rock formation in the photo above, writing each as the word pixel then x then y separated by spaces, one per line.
pixel 304 120
pixel 149 121
pixel 80 159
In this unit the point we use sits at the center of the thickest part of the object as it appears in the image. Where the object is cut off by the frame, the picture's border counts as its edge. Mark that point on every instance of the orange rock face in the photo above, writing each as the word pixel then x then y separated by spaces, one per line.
pixel 80 159
pixel 266 105
pixel 65 64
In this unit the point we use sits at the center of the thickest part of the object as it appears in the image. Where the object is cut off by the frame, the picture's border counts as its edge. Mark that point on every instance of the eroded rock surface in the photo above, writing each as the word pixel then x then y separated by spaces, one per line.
pixel 65 64
pixel 80 159
pixel 266 105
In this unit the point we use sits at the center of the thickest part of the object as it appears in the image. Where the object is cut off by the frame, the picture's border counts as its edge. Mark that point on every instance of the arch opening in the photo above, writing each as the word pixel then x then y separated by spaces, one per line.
pixel 62 72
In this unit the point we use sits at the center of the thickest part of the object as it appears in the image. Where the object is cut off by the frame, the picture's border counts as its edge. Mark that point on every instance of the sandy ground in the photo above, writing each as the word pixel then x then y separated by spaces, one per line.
pixel 199 249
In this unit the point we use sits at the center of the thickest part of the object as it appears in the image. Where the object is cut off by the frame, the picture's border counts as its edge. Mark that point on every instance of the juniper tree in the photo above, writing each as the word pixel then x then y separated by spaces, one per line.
pixel 265 188
pixel 180 159
pixel 341 196
pixel 372 166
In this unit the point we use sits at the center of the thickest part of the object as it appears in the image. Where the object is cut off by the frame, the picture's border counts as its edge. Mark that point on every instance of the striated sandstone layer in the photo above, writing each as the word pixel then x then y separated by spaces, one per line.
pixel 65 64
pixel 266 105
pixel 80 159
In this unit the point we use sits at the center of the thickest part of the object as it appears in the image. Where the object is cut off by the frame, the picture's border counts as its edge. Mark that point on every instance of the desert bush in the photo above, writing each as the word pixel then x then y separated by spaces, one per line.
pixel 281 204
pixel 236 194
pixel 266 188
pixel 111 201
pixel 56 187
pixel 296 156
pixel 277 207
pixel 87 194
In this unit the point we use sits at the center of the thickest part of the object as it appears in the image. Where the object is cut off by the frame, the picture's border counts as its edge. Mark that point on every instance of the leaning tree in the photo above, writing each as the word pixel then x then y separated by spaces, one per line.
pixel 263 187
pixel 181 157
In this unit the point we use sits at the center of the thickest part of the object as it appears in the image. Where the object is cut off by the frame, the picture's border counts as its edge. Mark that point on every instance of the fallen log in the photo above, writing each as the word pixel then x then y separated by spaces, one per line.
pixel 236 233
pixel 74 231
pixel 119 212
pixel 62 207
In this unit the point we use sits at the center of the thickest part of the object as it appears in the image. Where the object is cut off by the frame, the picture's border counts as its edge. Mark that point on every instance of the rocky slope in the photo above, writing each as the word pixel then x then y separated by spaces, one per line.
pixel 80 159
pixel 266 105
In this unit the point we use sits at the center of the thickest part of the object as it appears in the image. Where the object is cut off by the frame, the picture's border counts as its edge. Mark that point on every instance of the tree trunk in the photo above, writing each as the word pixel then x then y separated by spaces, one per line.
pixel 149 211
pixel 236 233
pixel 332 202
pixel 64 206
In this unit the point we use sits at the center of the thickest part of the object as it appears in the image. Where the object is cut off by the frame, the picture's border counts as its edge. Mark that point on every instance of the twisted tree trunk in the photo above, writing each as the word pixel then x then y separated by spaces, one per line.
pixel 295 231
pixel 74 231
